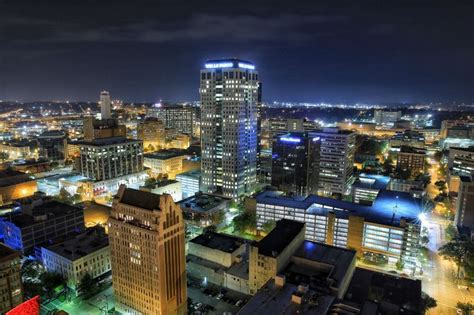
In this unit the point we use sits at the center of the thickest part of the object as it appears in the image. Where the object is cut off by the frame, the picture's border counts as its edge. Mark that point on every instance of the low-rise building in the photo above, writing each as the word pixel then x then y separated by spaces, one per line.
pixel 73 258
pixel 11 289
pixel 201 207
pixel 190 182
pixel 15 185
pixel 411 160
pixel 409 138
pixel 367 187
pixel 52 145
pixel 40 222
pixel 165 162
pixel 171 187
pixel 464 215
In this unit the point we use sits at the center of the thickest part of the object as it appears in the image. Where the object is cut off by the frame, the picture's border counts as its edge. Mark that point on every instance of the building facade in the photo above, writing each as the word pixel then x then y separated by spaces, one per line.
pixel 146 235
pixel 229 96
pixel 295 163
pixel 180 118
pixel 52 145
pixel 411 160
pixel 11 289
pixel 189 182
pixel 165 162
pixel 152 133
pixel 464 216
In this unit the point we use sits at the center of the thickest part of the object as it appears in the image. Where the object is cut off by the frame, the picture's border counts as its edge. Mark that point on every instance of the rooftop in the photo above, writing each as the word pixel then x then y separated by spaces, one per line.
pixel 384 293
pixel 11 177
pixel 412 150
pixel 141 199
pixel 388 208
pixel 108 141
pixel 372 181
pixel 203 202
pixel 164 154
pixel 279 238
pixel 80 245
pixel 340 258
pixel 7 253
pixel 218 241
pixel 195 174
pixel 229 63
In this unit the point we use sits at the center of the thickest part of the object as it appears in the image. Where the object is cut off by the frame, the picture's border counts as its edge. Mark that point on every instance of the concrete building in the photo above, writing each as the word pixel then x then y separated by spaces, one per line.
pixel 108 158
pixel 165 162
pixel 411 160
pixel 461 161
pixel 220 259
pixel 295 163
pixel 167 186
pixel 201 207
pixel 52 145
pixel 105 112
pixel 152 133
pixel 386 117
pixel 20 149
pixel 336 158
pixel 409 138
pixel 464 216
pixel 11 289
pixel 73 258
pixel 412 187
pixel 190 182
pixel 179 118
pixel 367 187
pixel 15 185
pixel 105 128
pixel 146 236
pixel 229 96
pixel 388 230
pixel 39 222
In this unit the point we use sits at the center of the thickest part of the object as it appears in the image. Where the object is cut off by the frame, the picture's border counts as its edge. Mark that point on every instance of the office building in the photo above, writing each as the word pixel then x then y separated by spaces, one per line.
pixel 109 158
pixel 386 117
pixel 41 221
pixel 461 161
pixel 409 138
pixel 219 259
pixel 73 258
pixel 52 145
pixel 190 182
pixel 105 112
pixel 11 289
pixel 20 149
pixel 464 216
pixel 367 187
pixel 165 186
pixel 200 208
pixel 152 133
pixel 336 158
pixel 411 160
pixel 388 229
pixel 165 163
pixel 15 185
pixel 146 237
pixel 179 118
pixel 229 96
pixel 295 163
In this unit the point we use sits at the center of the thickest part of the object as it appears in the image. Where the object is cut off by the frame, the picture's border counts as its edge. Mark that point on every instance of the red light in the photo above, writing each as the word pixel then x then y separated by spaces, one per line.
pixel 30 307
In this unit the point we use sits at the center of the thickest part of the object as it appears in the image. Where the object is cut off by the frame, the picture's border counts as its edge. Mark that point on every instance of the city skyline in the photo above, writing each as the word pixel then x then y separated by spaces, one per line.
pixel 402 52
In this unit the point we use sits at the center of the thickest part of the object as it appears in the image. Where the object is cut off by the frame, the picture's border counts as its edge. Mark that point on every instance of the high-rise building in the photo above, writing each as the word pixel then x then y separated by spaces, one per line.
pixel 11 290
pixel 52 145
pixel 464 210
pixel 146 239
pixel 411 160
pixel 295 163
pixel 229 96
pixel 336 160
pixel 180 118
pixel 152 133
pixel 105 105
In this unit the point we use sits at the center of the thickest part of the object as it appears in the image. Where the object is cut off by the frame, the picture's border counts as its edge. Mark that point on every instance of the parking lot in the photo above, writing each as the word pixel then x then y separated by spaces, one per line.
pixel 211 299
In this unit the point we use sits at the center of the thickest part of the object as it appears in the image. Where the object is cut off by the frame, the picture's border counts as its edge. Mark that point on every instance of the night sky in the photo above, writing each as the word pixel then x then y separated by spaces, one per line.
pixel 339 51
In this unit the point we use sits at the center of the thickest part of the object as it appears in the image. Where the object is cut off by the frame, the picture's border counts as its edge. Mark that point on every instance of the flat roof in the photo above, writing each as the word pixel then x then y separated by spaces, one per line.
pixel 195 174
pixel 279 238
pixel 12 177
pixel 7 253
pixel 202 202
pixel 80 245
pixel 388 208
pixel 218 241
pixel 372 181
pixel 164 154
pixel 340 258
pixel 107 141
pixel 401 292
pixel 141 199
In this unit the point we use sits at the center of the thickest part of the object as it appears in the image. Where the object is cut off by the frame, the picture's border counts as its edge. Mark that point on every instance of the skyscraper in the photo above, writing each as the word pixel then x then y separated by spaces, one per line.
pixel 229 96
pixel 105 105
pixel 146 239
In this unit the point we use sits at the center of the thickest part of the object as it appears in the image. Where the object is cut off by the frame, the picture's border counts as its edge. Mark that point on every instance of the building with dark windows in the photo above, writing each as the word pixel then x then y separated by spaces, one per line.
pixel 146 239
pixel 11 289
pixel 179 118
pixel 52 145
pixel 464 216
pixel 295 163
pixel 411 160
pixel 229 97
pixel 40 221
pixel 152 132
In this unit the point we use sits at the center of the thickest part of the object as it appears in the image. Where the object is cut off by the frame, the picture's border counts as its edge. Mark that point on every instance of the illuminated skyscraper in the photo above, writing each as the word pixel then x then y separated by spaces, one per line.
pixel 229 96
pixel 105 105
pixel 146 239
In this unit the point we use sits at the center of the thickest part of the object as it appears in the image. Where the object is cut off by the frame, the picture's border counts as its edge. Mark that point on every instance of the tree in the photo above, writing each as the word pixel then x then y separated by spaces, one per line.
pixel 451 232
pixel 268 226
pixel 244 221
pixel 427 302
pixel 64 196
pixel 466 308
pixel 52 282
pixel 460 250
pixel 218 217
pixel 4 156
pixel 399 264
pixel 88 286
pixel 424 240
pixel 150 181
